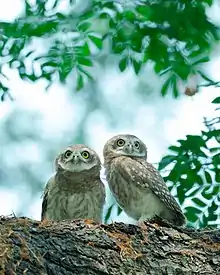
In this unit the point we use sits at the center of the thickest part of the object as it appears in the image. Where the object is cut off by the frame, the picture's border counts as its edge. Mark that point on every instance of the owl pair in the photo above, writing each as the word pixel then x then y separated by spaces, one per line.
pixel 76 190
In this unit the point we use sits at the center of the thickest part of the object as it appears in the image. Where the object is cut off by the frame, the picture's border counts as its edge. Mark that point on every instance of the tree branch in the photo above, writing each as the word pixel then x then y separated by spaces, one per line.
pixel 83 247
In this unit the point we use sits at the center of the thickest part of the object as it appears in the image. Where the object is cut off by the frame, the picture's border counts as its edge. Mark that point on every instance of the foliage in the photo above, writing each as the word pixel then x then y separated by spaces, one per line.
pixel 137 32
pixel 195 174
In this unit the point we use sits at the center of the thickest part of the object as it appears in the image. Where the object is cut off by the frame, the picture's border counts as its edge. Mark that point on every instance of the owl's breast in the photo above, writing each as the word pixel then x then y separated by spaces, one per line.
pixel 127 194
pixel 85 205
pixel 79 205
pixel 135 200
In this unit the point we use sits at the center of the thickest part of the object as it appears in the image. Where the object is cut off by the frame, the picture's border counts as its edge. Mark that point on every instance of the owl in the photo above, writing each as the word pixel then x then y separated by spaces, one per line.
pixel 136 185
pixel 75 191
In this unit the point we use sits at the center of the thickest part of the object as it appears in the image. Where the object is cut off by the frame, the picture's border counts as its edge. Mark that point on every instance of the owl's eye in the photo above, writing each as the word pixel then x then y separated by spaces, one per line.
pixel 137 144
pixel 120 142
pixel 85 154
pixel 68 153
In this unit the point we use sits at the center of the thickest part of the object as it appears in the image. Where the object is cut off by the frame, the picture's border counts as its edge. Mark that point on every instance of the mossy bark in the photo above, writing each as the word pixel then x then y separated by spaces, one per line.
pixel 82 247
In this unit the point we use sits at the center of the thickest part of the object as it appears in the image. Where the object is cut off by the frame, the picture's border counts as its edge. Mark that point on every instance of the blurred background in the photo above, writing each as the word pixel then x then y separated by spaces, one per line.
pixel 48 104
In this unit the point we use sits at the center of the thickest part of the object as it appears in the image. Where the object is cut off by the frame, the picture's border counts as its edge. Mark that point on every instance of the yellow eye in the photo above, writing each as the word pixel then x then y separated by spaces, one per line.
pixel 137 144
pixel 68 153
pixel 120 142
pixel 85 154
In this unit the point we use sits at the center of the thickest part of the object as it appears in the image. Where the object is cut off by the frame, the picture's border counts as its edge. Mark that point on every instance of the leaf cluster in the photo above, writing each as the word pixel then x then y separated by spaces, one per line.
pixel 175 35
pixel 195 173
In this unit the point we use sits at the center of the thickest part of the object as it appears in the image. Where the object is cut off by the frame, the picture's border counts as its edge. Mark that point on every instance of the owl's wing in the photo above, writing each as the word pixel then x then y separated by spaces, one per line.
pixel 45 198
pixel 145 175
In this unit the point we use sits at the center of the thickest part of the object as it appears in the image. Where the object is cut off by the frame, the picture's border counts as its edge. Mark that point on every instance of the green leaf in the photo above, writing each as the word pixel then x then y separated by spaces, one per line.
pixel 197 164
pixel 80 82
pixel 97 41
pixel 193 144
pixel 129 15
pixel 144 10
pixel 109 5
pixel 217 177
pixel 29 53
pixel 49 64
pixel 123 64
pixel 108 214
pixel 216 159
pixel 165 86
pixel 198 202
pixel 166 161
pixel 208 177
pixel 165 71
pixel 174 84
pixel 216 100
pixel 191 177
pixel 28 9
pixel 196 140
pixel 85 61
pixel 32 77
pixel 192 192
pixel 212 212
pixel 180 194
pixel 202 60
pixel 104 15
pixel 54 4
pixel 86 15
pixel 137 44
pixel 82 50
pixel 136 65
pixel 158 68
pixel 112 23
pixel 206 77
pixel 214 149
pixel 84 26
pixel 209 2
pixel 199 180
pixel 175 148
pixel 119 210
pixel 192 213
pixel 174 175
pixel 207 193
pixel 81 69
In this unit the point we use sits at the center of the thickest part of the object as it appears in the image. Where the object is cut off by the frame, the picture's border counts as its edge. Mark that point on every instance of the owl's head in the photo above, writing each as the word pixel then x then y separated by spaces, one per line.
pixel 125 145
pixel 78 158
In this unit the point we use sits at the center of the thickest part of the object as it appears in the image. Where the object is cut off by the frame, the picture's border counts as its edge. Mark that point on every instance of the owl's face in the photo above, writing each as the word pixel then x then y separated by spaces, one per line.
pixel 78 158
pixel 125 145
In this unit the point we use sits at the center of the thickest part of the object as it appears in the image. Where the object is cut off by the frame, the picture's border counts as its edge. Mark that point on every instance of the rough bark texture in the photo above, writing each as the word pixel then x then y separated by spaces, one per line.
pixel 82 247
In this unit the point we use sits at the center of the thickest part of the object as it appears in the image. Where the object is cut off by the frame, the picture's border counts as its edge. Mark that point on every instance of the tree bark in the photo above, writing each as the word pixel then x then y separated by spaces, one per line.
pixel 83 247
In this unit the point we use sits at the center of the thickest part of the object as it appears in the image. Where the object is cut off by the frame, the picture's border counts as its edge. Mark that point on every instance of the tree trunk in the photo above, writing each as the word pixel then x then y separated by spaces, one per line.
pixel 82 247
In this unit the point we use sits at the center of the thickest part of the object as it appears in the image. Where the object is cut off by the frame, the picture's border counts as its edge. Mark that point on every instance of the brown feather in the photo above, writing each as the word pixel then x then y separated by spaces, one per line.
pixel 136 185
pixel 74 195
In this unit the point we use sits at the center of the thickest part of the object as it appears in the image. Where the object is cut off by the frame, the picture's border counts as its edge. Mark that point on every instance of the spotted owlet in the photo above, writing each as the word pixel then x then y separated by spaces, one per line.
pixel 75 191
pixel 136 185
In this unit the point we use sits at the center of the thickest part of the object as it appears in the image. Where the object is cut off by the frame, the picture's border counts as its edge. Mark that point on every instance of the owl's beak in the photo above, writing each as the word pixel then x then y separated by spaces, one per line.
pixel 129 148
pixel 75 159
